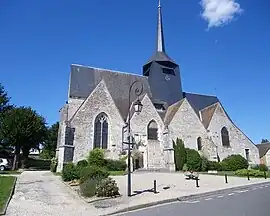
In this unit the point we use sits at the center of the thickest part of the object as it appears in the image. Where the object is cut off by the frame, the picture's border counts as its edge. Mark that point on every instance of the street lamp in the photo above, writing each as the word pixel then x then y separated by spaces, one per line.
pixel 137 108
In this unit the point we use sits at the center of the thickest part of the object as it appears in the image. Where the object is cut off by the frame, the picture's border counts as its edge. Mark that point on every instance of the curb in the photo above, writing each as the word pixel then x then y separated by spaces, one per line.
pixel 10 196
pixel 180 199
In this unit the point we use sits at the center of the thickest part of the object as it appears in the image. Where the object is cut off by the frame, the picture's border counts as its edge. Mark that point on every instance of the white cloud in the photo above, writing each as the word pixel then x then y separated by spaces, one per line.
pixel 219 12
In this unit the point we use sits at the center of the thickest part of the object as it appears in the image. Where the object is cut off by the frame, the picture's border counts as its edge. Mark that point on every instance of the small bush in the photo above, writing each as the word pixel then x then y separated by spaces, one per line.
pixel 38 164
pixel 96 157
pixel 53 165
pixel 194 160
pixel 107 188
pixel 205 164
pixel 185 167
pixel 69 172
pixel 93 172
pixel 82 163
pixel 263 167
pixel 116 165
pixel 252 172
pixel 180 156
pixel 234 162
pixel 88 188
pixel 214 165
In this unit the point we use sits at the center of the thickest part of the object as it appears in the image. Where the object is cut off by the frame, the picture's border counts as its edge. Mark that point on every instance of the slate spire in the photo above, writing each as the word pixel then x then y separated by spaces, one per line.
pixel 160 35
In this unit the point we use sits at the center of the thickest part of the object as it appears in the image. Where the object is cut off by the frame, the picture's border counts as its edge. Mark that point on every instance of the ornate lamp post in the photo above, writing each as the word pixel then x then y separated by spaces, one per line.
pixel 137 105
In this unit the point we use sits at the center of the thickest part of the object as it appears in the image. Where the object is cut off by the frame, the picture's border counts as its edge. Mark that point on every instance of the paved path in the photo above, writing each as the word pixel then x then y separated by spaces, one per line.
pixel 40 193
pixel 252 201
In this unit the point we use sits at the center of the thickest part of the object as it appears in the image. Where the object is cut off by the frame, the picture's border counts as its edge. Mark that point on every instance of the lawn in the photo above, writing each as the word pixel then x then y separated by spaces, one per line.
pixel 6 186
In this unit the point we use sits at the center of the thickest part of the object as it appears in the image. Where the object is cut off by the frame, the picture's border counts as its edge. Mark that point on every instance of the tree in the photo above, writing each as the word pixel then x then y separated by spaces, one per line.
pixel 50 144
pixel 265 141
pixel 180 156
pixel 23 129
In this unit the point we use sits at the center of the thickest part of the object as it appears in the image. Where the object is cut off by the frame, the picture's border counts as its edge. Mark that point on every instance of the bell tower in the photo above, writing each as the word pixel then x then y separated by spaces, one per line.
pixel 162 72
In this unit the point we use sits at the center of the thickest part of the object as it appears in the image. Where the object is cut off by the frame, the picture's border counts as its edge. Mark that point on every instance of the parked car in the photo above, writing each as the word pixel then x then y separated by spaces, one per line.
pixel 4 164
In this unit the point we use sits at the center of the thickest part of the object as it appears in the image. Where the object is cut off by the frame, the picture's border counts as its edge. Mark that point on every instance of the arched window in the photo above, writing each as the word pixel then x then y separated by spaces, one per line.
pixel 225 137
pixel 199 143
pixel 101 131
pixel 152 131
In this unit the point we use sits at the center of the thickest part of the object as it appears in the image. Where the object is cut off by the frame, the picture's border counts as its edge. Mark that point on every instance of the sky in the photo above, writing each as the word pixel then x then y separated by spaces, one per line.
pixel 222 47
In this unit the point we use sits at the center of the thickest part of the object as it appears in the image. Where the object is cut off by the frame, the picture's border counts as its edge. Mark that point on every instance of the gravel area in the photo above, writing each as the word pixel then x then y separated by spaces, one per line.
pixel 40 193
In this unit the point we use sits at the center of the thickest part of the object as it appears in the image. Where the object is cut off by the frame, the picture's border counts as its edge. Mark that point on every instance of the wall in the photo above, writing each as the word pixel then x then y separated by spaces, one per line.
pixel 238 140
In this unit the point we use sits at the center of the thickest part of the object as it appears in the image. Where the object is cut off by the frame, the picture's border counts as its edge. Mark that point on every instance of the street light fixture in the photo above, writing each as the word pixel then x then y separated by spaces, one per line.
pixel 137 108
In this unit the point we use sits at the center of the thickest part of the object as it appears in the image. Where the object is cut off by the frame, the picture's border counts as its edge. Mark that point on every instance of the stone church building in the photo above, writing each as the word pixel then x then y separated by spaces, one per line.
pixel 97 111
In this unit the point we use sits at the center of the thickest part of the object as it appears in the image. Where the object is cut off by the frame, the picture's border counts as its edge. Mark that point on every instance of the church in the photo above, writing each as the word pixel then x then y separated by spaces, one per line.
pixel 101 105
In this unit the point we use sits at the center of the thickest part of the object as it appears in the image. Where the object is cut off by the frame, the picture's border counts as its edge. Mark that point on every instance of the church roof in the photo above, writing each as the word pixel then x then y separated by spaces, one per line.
pixel 83 81
pixel 171 111
pixel 263 148
pixel 207 114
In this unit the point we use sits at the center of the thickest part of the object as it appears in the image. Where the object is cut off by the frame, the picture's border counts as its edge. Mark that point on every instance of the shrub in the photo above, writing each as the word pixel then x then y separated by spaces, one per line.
pixel 180 156
pixel 96 157
pixel 252 172
pixel 53 164
pixel 194 160
pixel 88 188
pixel 205 164
pixel 214 165
pixel 234 162
pixel 107 188
pixel 185 168
pixel 263 167
pixel 93 172
pixel 82 163
pixel 69 172
pixel 38 164
pixel 115 165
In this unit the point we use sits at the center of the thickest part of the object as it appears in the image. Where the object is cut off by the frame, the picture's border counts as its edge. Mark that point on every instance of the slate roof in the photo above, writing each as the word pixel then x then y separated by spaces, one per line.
pixel 83 81
pixel 207 114
pixel 263 148
pixel 171 111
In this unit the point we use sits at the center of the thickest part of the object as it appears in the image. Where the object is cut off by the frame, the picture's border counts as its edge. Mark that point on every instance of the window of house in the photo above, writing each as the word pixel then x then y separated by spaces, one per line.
pixel 199 143
pixel 101 131
pixel 152 131
pixel 225 137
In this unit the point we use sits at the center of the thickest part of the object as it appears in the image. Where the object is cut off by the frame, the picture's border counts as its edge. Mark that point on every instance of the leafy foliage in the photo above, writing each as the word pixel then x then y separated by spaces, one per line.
pixel 50 143
pixel 82 163
pixel 234 162
pixel 214 165
pixel 252 172
pixel 23 129
pixel 194 160
pixel 261 167
pixel 93 172
pixel 205 164
pixel 107 188
pixel 69 172
pixel 116 165
pixel 89 187
pixel 180 157
pixel 53 164
pixel 96 157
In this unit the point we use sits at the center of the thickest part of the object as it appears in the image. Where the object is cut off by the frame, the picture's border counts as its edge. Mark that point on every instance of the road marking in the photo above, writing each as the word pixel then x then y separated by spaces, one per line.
pixel 220 196
pixel 254 189
pixel 191 202
pixel 243 191
pixel 266 186
pixel 210 198
pixel 261 187
pixel 230 194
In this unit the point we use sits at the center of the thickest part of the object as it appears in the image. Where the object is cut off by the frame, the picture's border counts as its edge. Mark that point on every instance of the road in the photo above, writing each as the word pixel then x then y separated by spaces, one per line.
pixel 252 201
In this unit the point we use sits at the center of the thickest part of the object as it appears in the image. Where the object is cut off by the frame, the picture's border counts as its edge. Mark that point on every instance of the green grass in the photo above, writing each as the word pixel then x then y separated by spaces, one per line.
pixel 10 172
pixel 116 173
pixel 6 186
pixel 230 173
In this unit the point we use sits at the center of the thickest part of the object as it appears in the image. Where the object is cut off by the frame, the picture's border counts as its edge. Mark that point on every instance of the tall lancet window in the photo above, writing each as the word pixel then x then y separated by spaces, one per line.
pixel 152 131
pixel 199 143
pixel 225 137
pixel 101 131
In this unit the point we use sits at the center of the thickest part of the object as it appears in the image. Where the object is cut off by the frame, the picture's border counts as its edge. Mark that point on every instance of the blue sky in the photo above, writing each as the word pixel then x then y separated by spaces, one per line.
pixel 40 39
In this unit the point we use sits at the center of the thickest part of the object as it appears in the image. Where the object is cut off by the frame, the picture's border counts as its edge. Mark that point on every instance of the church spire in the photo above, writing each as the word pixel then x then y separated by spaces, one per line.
pixel 160 35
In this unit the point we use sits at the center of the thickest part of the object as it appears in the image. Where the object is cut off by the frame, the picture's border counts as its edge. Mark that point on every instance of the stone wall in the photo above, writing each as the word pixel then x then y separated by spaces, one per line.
pixel 267 158
pixel 238 140
pixel 99 101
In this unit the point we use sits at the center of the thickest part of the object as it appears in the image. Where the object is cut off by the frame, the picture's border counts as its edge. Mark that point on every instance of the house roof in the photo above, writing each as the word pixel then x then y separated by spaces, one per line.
pixel 263 148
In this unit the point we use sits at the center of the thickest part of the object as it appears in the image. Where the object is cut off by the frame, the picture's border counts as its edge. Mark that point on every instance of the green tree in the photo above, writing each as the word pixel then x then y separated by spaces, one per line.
pixel 265 141
pixel 180 156
pixel 23 129
pixel 194 161
pixel 50 144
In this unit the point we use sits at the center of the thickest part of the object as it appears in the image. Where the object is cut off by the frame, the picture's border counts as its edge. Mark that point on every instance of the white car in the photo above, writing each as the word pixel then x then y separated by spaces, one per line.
pixel 4 164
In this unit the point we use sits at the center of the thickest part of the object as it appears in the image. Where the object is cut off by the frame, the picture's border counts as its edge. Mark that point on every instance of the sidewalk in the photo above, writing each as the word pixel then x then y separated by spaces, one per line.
pixel 43 194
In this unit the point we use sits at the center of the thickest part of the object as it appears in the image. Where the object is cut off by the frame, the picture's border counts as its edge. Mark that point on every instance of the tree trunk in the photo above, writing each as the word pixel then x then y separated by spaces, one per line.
pixel 16 158
pixel 25 157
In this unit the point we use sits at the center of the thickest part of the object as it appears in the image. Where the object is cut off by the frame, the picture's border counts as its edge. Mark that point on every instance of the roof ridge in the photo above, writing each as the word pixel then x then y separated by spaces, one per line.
pixel 201 94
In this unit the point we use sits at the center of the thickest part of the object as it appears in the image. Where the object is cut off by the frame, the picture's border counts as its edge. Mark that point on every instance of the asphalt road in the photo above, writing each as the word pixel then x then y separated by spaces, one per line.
pixel 253 201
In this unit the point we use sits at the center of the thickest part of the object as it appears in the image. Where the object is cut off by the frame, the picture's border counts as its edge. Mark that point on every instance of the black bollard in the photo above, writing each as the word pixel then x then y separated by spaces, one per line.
pixel 248 175
pixel 197 182
pixel 265 176
pixel 155 186
pixel 226 178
